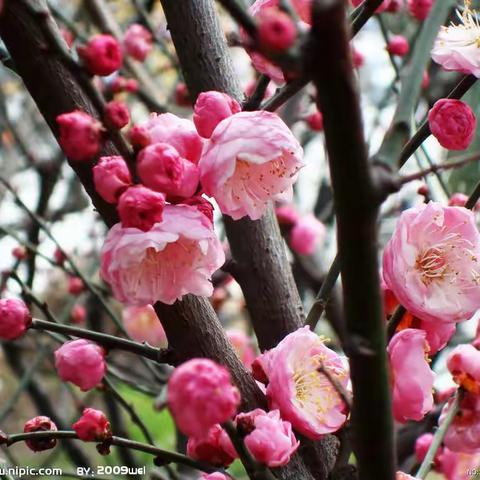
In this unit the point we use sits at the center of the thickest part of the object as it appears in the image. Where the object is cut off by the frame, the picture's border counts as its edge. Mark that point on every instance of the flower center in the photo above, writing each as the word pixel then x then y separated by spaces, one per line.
pixel 432 265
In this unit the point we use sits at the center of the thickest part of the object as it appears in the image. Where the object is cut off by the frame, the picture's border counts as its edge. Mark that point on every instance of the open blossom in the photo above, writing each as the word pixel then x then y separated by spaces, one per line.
pixel 269 438
pixel 111 178
pixel 143 325
pixel 464 364
pixel 161 168
pixel 456 47
pixel 102 55
pixel 175 257
pixel 80 135
pixel 92 426
pixel 431 263
pixel 138 42
pixel 242 345
pixel 15 318
pixel 215 448
pixel 306 235
pixel 304 396
pixel 200 394
pixel 81 362
pixel 178 132
pixel 210 109
pixel 452 123
pixel 250 159
pixel 40 424
pixel 412 377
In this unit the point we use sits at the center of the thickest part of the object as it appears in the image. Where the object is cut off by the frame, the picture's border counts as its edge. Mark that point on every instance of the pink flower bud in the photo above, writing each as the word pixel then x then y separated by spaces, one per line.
pixel 81 362
pixel 78 314
pixel 464 365
pixel 200 394
pixel 131 85
pixel 138 42
pixel 143 325
pixel 276 30
pixel 116 114
pixel 287 215
pixel 306 235
pixel 272 441
pixel 242 344
pixel 215 449
pixel 358 58
pixel 457 200
pixel 161 168
pixel 59 256
pixel 40 424
pixel 111 178
pixel 15 318
pixel 213 476
pixel 422 445
pixel 75 285
pixel 67 36
pixel 210 109
pixel 394 6
pixel 398 45
pixel 102 55
pixel 20 252
pixel 420 8
pixel 182 95
pixel 452 123
pixel 92 426
pixel 202 205
pixel 139 137
pixel 425 80
pixel 423 190
pixel 122 84
pixel 80 135
pixel 315 121
pixel 139 207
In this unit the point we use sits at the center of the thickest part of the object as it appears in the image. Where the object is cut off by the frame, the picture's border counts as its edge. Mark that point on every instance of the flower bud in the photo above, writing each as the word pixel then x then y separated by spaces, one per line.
pixel 287 215
pixel 15 318
pixel 306 234
pixel 92 426
pixel 138 42
pixel 59 256
pixel 78 314
pixel 75 286
pixel 457 200
pixel 102 55
pixel 420 9
pixel 276 30
pixel 398 45
pixel 111 178
pixel 20 252
pixel 80 135
pixel 40 424
pixel 202 205
pixel 116 114
pixel 358 58
pixel 122 84
pixel 139 137
pixel 182 95
pixel 464 365
pixel 315 121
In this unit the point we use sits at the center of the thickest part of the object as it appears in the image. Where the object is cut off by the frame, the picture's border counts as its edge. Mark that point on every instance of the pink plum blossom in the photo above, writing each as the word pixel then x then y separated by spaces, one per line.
pixel 200 394
pixel 306 235
pixel 412 377
pixel 138 42
pixel 92 426
pixel 81 362
pixel 304 396
pixel 40 424
pixel 270 439
pixel 178 132
pixel 431 262
pixel 464 364
pixel 78 313
pixel 457 200
pixel 214 476
pixel 161 168
pixel 111 178
pixel 315 121
pixel 250 159
pixel 175 257
pixel 102 55
pixel 452 123
pixel 15 318
pixel 116 114
pixel 139 136
pixel 143 325
pixel 216 448
pixel 420 9
pixel 276 30
pixel 287 214
pixel 242 345
pixel 75 286
pixel 398 45
pixel 202 205
pixel 182 95
pixel 210 109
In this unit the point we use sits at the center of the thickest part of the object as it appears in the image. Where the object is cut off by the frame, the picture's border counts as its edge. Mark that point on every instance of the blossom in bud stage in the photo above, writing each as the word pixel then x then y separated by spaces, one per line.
pixel 431 262
pixel 398 45
pixel 182 95
pixel 425 79
pixel 102 55
pixel 116 114
pixel 143 325
pixel 202 205
pixel 175 257
pixel 20 252
pixel 315 121
pixel 75 285
pixel 15 318
pixel 250 159
pixel 242 345
pixel 358 58
pixel 463 363
pixel 457 200
pixel 92 426
pixel 161 168
pixel 200 394
pixel 422 444
pixel 420 8
pixel 111 178
pixel 138 42
pixel 452 123
pixel 215 448
pixel 59 256
pixel 306 235
pixel 214 476
pixel 80 135
pixel 177 132
pixel 394 6
pixel 139 137
pixel 271 440
pixel 412 377
pixel 122 84
pixel 141 208
pixel 287 214
pixel 456 47
pixel 276 30
pixel 40 424
pixel 68 36
pixel 78 314
pixel 210 109
pixel 423 190
pixel 81 362
pixel 304 396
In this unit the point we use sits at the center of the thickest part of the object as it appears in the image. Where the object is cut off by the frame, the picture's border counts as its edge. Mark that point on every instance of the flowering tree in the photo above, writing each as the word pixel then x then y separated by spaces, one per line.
pixel 202 244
